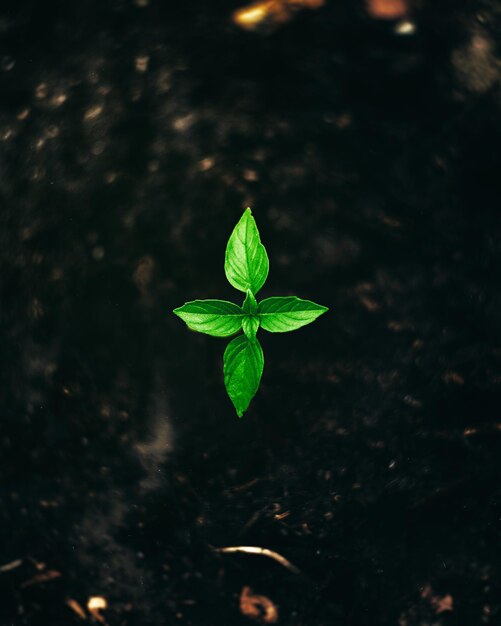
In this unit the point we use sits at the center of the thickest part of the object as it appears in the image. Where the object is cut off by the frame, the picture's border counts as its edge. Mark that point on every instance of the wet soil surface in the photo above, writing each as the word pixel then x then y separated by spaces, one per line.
pixel 131 137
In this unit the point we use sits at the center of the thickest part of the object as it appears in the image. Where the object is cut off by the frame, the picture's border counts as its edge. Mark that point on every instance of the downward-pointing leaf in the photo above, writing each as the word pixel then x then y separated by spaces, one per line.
pixel 279 315
pixel 250 324
pixel 212 317
pixel 243 368
pixel 246 263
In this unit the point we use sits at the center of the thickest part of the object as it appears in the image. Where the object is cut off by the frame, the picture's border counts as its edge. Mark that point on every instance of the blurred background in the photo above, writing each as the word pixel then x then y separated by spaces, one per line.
pixel 365 135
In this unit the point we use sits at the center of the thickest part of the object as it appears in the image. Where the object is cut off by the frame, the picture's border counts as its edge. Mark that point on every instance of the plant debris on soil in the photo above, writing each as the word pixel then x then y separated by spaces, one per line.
pixel 132 135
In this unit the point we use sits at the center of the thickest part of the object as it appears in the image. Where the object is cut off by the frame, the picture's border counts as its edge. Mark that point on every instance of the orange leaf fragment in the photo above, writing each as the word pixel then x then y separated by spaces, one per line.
pixel 388 9
pixel 257 607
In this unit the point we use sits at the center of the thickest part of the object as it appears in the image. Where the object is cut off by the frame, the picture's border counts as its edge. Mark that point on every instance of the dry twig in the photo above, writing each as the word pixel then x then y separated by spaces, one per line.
pixel 44 577
pixel 260 551
pixel 76 608
pixel 10 566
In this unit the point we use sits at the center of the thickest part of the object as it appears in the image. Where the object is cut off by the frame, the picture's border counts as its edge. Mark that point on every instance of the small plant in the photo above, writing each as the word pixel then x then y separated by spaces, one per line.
pixel 246 267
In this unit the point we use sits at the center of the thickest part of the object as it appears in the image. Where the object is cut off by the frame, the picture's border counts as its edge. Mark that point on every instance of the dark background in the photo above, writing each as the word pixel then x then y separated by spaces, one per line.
pixel 131 138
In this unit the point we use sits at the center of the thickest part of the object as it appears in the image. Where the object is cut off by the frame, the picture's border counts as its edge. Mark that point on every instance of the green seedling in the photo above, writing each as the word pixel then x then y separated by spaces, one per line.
pixel 246 267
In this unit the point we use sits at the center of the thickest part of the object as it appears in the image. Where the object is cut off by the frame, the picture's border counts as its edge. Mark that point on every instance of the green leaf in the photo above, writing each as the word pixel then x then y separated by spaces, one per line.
pixel 250 303
pixel 279 315
pixel 243 368
pixel 246 263
pixel 250 324
pixel 212 317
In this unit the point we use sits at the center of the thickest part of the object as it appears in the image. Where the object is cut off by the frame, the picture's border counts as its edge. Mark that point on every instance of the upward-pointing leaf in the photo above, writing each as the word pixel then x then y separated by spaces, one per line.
pixel 250 305
pixel 212 317
pixel 279 315
pixel 243 368
pixel 246 262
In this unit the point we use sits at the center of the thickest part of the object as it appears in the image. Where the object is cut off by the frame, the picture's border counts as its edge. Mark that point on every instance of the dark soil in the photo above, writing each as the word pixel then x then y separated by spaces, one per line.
pixel 131 138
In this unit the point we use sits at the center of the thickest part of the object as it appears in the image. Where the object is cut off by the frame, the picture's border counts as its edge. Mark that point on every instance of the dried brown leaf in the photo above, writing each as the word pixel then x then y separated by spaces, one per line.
pixel 265 15
pixel 96 604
